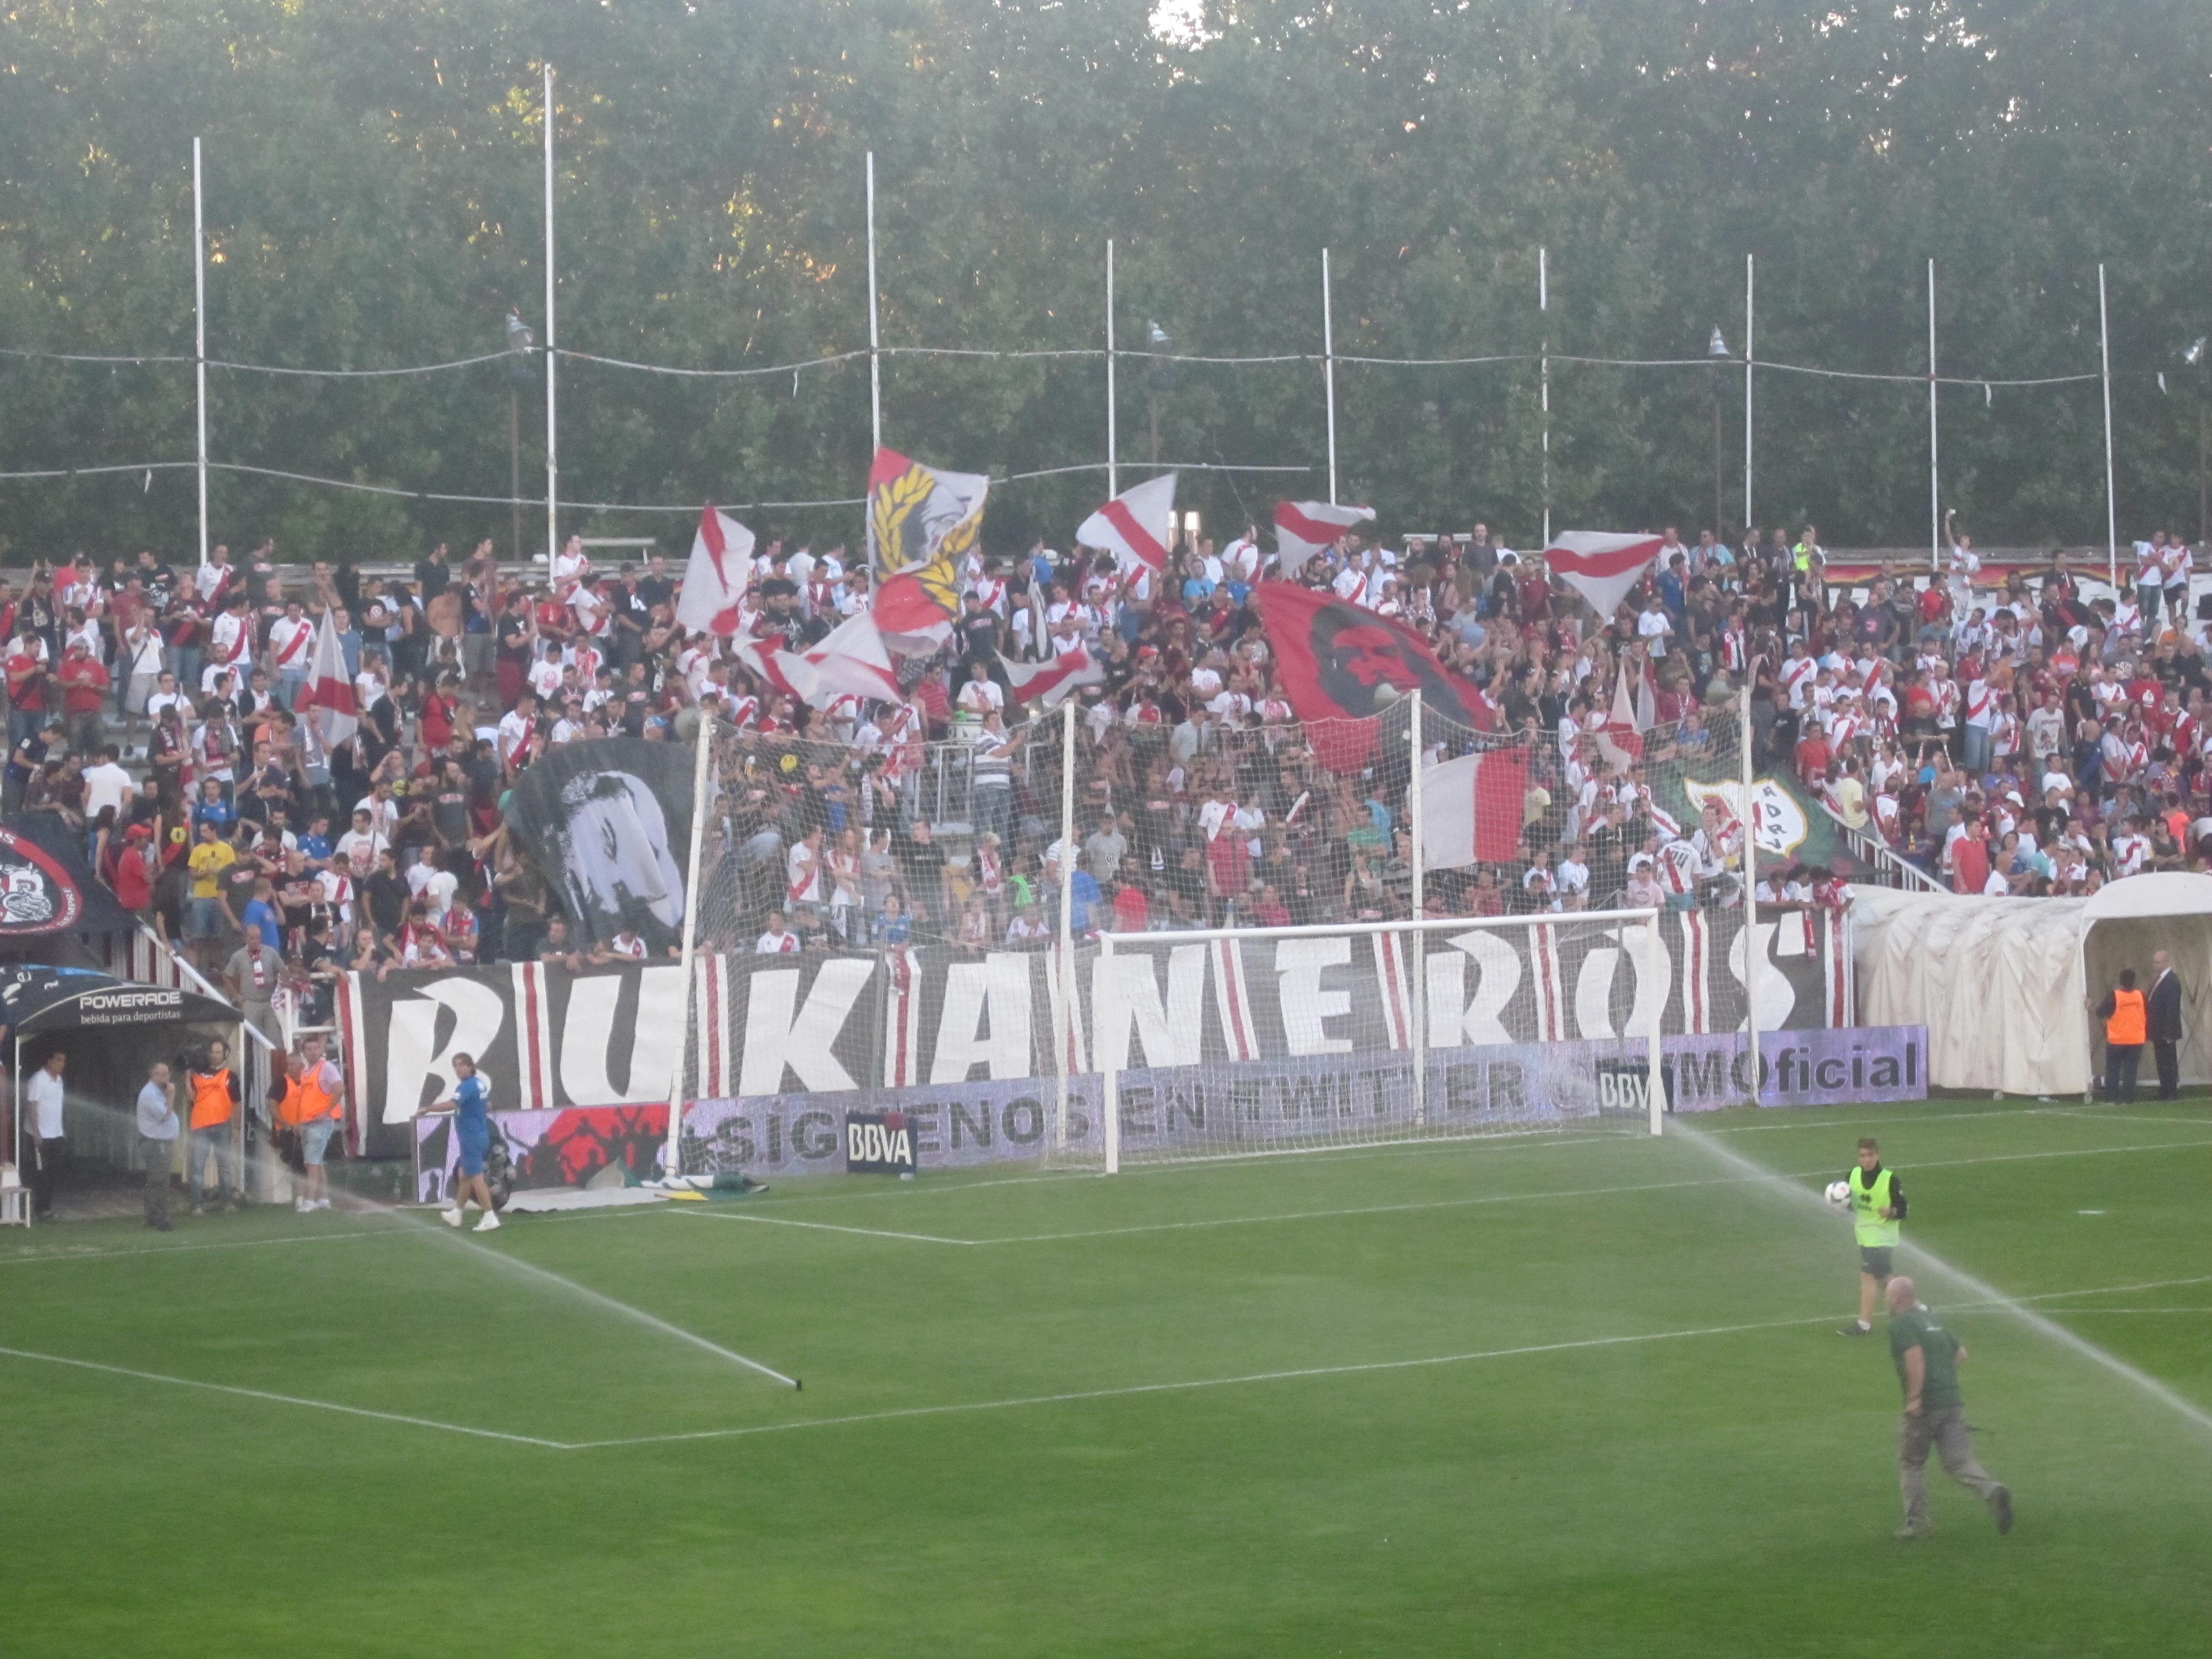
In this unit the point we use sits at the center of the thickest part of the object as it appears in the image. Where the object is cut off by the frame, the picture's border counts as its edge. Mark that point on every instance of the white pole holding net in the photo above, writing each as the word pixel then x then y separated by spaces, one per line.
pixel 875 335
pixel 1544 377
pixel 1063 1000
pixel 1655 1087
pixel 1106 1016
pixel 199 338
pixel 1750 292
pixel 671 1160
pixel 1329 368
pixel 2112 505
pixel 1751 950
pixel 1113 437
pixel 552 357
pixel 1416 990
pixel 1934 470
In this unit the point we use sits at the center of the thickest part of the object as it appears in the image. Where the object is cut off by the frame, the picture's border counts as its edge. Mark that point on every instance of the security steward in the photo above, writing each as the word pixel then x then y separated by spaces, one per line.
pixel 2126 1012
pixel 1877 1215
pixel 212 1088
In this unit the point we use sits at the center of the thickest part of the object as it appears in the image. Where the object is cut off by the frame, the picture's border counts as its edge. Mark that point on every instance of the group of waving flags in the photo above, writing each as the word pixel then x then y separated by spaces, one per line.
pixel 1336 661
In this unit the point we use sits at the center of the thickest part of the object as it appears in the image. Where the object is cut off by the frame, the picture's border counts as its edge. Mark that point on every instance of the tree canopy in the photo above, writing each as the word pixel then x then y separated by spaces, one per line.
pixel 373 178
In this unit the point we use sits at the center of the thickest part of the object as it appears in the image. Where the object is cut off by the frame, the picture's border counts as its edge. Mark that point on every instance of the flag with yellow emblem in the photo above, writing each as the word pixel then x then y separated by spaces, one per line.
pixel 922 525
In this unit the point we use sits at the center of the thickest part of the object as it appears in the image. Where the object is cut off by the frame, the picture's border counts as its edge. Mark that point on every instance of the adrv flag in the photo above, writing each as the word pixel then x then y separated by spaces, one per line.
pixel 1471 809
pixel 1049 684
pixel 327 699
pixel 714 581
pixel 1135 525
pixel 1600 565
pixel 1305 528
pixel 1621 738
pixel 921 522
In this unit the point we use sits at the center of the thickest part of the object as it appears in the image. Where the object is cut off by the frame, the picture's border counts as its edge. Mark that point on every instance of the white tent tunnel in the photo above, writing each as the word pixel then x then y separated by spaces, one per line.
pixel 2008 987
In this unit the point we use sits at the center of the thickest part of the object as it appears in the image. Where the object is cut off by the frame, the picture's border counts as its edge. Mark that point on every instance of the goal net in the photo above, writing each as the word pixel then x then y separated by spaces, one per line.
pixel 1226 1042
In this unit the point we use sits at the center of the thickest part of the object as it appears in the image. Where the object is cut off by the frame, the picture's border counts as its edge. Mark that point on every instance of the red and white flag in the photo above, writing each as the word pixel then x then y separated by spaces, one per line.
pixel 1471 809
pixel 1049 684
pixel 850 660
pixel 1621 738
pixel 327 701
pixel 1135 525
pixel 1600 565
pixel 1305 528
pixel 714 580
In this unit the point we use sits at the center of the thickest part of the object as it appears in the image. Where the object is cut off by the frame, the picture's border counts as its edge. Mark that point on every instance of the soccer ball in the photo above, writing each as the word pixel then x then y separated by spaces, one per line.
pixel 1839 1192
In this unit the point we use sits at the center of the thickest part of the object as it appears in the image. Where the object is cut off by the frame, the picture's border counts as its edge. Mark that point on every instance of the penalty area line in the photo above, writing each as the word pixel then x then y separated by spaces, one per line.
pixel 283 1399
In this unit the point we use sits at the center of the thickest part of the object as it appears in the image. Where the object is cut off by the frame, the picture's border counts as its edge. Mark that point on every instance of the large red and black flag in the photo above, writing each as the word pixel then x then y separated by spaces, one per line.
pixel 1336 660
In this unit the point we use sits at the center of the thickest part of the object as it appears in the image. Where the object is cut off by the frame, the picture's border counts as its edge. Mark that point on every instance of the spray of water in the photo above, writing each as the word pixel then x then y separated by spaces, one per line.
pixel 1981 1290
pixel 446 1239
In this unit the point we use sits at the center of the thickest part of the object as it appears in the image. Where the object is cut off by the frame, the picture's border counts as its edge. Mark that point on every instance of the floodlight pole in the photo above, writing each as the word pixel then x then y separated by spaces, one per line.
pixel 672 1159
pixel 199 338
pixel 552 357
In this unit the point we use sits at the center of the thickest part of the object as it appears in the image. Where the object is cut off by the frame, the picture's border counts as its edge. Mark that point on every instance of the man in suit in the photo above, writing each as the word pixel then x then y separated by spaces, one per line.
pixel 2165 1023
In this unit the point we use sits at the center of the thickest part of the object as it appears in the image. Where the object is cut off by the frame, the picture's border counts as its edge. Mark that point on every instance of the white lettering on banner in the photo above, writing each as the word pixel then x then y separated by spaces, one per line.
pixel 587 1038
pixel 1778 999
pixel 996 988
pixel 806 1046
pixel 412 1054
pixel 1305 1005
pixel 1655 975
pixel 1594 993
pixel 1167 1039
pixel 1455 1019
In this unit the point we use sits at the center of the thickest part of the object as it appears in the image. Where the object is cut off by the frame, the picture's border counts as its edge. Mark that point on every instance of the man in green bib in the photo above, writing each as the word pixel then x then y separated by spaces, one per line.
pixel 1877 1211
pixel 1928 1357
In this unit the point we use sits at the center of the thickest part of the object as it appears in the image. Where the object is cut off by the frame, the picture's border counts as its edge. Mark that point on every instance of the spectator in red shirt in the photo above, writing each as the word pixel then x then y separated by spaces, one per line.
pixel 84 682
pixel 1970 859
pixel 1813 756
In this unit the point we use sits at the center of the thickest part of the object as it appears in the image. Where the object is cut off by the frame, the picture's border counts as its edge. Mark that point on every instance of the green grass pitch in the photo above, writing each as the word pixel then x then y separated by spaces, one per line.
pixel 1552 1395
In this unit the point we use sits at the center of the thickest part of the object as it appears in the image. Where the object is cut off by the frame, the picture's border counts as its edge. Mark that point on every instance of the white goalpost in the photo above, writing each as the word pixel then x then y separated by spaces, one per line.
pixel 1446 1043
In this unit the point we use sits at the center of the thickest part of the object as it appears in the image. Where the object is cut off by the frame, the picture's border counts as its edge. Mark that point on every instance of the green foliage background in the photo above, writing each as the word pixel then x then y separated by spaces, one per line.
pixel 372 182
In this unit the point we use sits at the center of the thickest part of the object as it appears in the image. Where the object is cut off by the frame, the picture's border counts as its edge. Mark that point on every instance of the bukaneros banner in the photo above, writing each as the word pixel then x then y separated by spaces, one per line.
pixel 868 1032
pixel 609 822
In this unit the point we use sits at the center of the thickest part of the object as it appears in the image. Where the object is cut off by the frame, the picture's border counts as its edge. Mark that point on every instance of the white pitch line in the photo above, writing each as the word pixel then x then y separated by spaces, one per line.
pixel 2090 1113
pixel 1833 1124
pixel 1201 1383
pixel 821 1226
pixel 284 1399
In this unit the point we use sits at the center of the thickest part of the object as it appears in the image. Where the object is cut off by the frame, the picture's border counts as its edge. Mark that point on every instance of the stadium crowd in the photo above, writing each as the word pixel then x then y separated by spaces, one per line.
pixel 2008 737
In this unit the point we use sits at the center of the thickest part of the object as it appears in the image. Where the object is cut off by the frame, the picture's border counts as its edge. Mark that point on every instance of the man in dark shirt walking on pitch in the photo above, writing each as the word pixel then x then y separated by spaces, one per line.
pixel 1928 1357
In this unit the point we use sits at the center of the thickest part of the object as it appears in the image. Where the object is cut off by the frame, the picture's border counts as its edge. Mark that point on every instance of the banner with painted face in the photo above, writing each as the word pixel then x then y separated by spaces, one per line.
pixel 905 1028
pixel 609 822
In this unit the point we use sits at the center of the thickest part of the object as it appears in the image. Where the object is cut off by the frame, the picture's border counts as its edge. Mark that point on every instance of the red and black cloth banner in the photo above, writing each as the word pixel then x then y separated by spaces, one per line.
pixel 1334 660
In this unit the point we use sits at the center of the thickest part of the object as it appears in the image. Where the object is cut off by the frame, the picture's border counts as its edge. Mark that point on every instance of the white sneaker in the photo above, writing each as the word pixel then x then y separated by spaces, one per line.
pixel 300 1207
pixel 489 1224
pixel 451 1218
pixel 322 1203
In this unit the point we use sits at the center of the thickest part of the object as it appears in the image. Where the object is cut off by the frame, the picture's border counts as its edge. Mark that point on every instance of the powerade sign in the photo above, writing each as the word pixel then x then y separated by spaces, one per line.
pixel 878 1143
